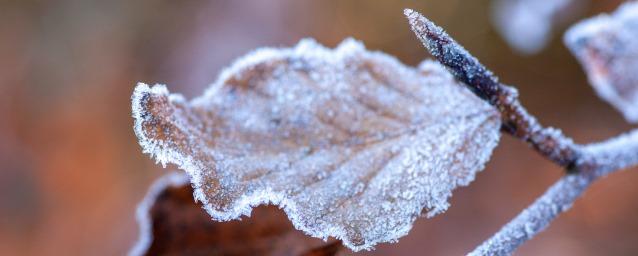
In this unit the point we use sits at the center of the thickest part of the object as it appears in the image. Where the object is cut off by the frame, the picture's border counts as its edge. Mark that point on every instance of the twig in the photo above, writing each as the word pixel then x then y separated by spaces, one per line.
pixel 548 141
pixel 587 163
pixel 535 218
pixel 598 160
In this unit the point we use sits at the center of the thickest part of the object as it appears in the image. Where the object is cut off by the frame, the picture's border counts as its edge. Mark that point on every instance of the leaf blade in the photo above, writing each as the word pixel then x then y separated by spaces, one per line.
pixel 350 143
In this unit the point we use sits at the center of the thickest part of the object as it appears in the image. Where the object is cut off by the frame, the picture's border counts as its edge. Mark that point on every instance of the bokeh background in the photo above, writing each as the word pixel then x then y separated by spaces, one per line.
pixel 71 171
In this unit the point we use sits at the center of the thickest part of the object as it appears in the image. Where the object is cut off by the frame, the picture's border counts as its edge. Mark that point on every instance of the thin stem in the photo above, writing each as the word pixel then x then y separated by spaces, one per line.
pixel 599 160
pixel 548 141
pixel 535 218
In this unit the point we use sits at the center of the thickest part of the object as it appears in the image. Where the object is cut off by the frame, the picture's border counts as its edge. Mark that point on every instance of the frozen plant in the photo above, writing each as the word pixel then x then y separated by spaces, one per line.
pixel 355 145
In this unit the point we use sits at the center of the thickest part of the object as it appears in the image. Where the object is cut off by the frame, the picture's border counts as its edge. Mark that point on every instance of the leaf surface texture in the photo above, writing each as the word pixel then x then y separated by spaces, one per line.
pixel 350 143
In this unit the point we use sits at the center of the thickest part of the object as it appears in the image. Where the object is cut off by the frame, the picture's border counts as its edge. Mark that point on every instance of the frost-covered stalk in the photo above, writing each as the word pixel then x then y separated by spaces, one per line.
pixel 557 199
pixel 586 163
pixel 548 141
pixel 598 160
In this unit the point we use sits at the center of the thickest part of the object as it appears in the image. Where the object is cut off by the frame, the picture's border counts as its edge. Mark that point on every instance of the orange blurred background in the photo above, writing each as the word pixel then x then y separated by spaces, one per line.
pixel 71 171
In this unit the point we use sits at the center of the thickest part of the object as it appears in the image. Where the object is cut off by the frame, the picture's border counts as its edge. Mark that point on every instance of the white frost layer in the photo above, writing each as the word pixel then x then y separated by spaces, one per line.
pixel 614 154
pixel 526 25
pixel 607 48
pixel 142 214
pixel 350 143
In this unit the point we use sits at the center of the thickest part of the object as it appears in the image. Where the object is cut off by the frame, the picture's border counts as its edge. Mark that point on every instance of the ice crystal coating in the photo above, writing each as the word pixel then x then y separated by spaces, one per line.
pixel 526 25
pixel 459 61
pixel 549 141
pixel 534 219
pixel 349 143
pixel 607 48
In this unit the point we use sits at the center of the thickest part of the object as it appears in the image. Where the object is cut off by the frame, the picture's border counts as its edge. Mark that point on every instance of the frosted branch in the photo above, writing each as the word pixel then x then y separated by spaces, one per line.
pixel 598 160
pixel 548 141
pixel 611 155
pixel 537 216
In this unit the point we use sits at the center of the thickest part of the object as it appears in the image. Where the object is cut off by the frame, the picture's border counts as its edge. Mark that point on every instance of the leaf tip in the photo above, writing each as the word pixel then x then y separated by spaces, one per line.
pixel 149 105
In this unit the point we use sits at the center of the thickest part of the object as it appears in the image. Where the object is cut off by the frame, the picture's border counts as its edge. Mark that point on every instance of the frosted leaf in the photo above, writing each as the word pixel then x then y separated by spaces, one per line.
pixel 607 48
pixel 172 223
pixel 350 143
pixel 526 25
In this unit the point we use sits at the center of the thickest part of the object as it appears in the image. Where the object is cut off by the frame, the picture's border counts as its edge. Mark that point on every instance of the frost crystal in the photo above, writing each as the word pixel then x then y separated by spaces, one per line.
pixel 607 48
pixel 526 25
pixel 349 143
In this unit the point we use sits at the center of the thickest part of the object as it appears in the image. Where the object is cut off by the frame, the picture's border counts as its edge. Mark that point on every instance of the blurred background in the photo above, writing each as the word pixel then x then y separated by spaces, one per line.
pixel 71 171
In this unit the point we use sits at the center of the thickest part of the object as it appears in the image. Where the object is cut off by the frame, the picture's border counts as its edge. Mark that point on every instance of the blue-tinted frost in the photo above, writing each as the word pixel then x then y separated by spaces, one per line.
pixel 607 48
pixel 349 143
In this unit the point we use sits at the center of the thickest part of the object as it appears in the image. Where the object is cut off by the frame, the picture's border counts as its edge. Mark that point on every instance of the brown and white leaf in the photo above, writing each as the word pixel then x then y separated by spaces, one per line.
pixel 350 143
pixel 172 223
pixel 607 48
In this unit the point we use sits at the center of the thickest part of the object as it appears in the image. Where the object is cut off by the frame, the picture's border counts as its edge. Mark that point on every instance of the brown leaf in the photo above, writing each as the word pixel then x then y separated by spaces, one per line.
pixel 350 143
pixel 607 48
pixel 173 224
